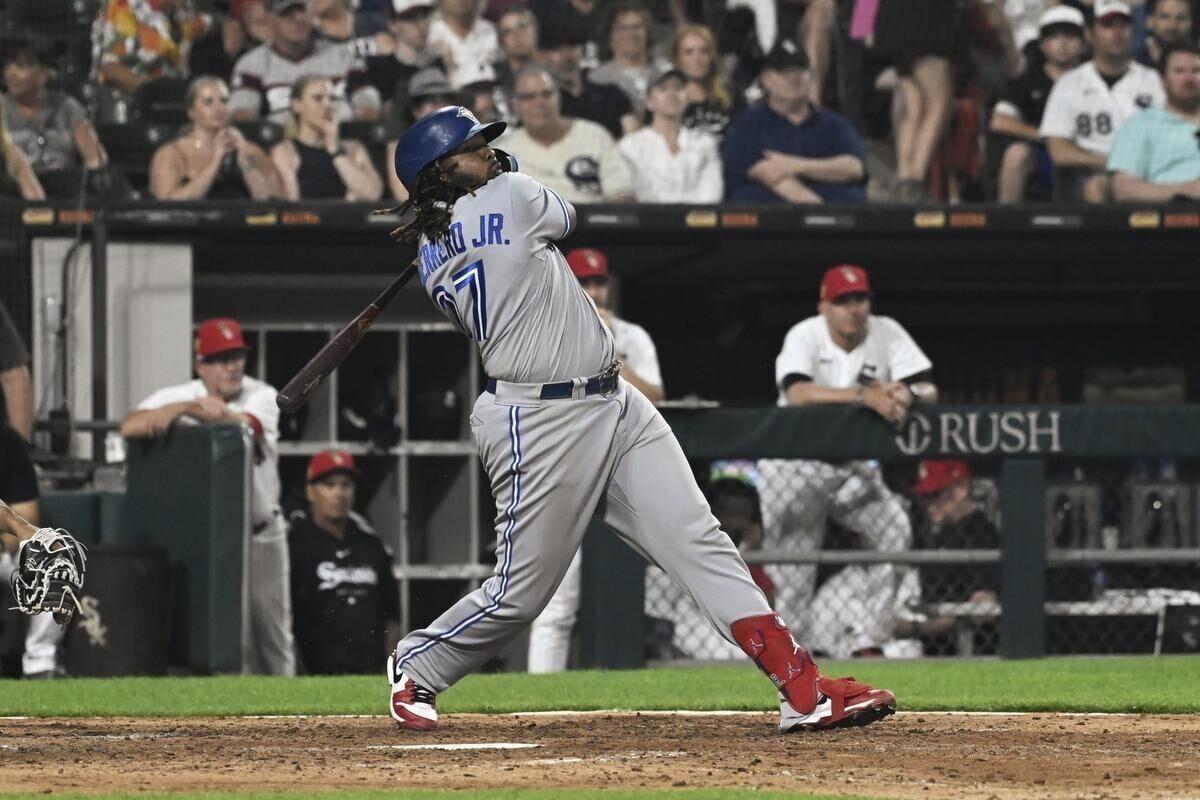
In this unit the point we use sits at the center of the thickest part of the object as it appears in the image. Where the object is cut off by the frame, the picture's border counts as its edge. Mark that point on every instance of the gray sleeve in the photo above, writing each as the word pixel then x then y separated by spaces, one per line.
pixel 12 350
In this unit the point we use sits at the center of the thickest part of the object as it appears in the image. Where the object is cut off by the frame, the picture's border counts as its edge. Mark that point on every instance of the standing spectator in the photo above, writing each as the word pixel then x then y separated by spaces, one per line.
pixel 314 162
pixel 710 105
pixel 427 91
pixel 918 38
pixel 1018 114
pixel 1090 103
pixel 518 31
pixel 1168 22
pixel 408 23
pixel 626 32
pixel 263 78
pixel 579 95
pixel 345 599
pixel 49 127
pixel 848 356
pixel 671 163
pixel 466 42
pixel 15 381
pixel 1155 157
pixel 785 150
pixel 574 157
pixel 550 634
pixel 575 20
pixel 211 159
pixel 18 485
pixel 224 393
pixel 16 176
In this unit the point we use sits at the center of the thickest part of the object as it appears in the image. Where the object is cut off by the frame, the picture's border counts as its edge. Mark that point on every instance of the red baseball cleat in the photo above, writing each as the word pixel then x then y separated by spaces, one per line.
pixel 413 706
pixel 841 703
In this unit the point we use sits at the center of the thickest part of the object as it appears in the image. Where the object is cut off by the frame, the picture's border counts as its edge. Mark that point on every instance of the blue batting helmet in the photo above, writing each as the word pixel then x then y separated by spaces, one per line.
pixel 435 135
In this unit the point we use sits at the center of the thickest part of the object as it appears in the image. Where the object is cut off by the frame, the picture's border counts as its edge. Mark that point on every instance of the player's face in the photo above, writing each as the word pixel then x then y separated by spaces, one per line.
pixel 473 164
pixel 1171 21
pixel 518 34
pixel 331 497
pixel 210 109
pixel 847 315
pixel 1182 81
pixel 693 59
pixel 597 289
pixel 668 98
pixel 1062 47
pixel 222 374
pixel 1112 37
pixel 412 27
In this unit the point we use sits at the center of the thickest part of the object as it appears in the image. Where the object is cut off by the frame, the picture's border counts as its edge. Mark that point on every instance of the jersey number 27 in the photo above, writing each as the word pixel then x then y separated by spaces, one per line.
pixel 470 279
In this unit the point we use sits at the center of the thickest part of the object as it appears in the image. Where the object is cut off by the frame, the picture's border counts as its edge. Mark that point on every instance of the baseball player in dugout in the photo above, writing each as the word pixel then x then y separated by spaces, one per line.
pixel 345 600
pixel 223 392
pixel 844 354
pixel 563 436
pixel 550 634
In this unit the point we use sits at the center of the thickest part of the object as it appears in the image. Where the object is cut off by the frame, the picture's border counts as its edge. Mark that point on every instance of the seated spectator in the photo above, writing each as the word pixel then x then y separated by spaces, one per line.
pixel 255 19
pixel 1168 22
pixel 218 48
pixel 486 99
pixel 710 103
pixel 1090 103
pixel 314 162
pixel 518 31
pixel 134 42
pixel 576 158
pixel 785 150
pixel 16 177
pixel 345 600
pixel 427 91
pixel 49 127
pixel 1155 157
pixel 671 163
pixel 465 41
pixel 626 34
pixel 336 21
pixel 408 23
pixel 211 159
pixel 263 78
pixel 575 20
pixel 581 97
pixel 1018 114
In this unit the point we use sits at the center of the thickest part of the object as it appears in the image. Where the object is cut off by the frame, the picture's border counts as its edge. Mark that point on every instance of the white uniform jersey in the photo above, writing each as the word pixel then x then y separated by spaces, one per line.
pixel 1083 109
pixel 636 350
pixel 256 399
pixel 887 353
pixel 497 275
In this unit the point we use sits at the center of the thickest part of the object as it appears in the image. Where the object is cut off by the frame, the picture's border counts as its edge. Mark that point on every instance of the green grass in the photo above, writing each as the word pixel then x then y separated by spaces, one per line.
pixel 1169 684
pixel 490 794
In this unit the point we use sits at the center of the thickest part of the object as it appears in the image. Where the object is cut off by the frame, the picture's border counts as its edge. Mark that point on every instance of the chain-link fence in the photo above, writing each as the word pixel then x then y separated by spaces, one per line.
pixel 904 559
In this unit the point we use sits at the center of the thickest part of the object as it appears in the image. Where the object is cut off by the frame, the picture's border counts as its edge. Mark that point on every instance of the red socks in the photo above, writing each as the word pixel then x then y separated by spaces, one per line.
pixel 770 645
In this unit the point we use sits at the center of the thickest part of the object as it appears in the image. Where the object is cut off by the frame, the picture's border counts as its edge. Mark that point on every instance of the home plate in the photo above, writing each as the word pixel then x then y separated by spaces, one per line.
pixel 456 746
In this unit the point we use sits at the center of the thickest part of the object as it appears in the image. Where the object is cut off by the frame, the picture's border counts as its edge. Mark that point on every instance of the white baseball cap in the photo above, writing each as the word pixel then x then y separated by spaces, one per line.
pixel 1061 15
pixel 1107 8
pixel 403 6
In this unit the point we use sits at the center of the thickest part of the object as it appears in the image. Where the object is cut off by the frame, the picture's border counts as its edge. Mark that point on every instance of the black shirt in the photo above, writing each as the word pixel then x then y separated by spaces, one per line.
pixel 1028 92
pixel 708 117
pixel 601 103
pixel 561 17
pixel 18 481
pixel 342 593
pixel 316 176
pixel 955 583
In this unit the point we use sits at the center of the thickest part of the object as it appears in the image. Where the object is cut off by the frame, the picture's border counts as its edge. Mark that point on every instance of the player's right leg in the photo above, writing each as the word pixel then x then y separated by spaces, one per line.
pixel 547 462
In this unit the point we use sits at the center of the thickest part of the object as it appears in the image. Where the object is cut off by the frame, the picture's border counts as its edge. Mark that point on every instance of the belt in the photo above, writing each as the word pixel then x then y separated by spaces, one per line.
pixel 605 383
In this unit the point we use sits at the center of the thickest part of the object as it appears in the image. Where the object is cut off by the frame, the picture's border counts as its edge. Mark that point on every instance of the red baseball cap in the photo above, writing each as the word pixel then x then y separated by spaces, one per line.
pixel 587 263
pixel 934 476
pixel 218 335
pixel 844 279
pixel 329 461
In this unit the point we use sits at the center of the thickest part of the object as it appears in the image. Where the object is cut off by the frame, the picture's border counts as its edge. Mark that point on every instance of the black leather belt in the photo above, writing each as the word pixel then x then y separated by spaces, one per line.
pixel 601 384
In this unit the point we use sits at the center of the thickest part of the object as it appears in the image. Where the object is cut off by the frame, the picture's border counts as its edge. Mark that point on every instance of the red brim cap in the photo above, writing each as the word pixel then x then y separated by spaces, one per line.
pixel 586 262
pixel 844 279
pixel 935 476
pixel 218 335
pixel 330 461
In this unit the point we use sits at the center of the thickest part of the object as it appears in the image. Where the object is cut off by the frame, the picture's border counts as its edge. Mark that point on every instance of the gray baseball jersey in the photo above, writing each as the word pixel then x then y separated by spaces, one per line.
pixel 553 463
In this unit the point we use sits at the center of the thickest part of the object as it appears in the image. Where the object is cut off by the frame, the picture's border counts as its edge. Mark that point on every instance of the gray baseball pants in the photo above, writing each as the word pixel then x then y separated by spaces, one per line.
pixel 552 464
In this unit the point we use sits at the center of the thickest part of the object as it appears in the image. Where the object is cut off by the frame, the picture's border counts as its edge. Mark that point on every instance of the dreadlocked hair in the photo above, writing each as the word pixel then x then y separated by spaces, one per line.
pixel 428 209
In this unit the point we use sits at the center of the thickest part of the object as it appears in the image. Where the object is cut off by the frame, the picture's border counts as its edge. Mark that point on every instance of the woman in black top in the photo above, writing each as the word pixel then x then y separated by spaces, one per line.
pixel 314 162
pixel 710 103
pixel 210 159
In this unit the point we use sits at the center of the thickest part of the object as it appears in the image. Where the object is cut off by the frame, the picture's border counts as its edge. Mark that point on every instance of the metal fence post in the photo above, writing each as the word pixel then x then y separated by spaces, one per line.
pixel 611 610
pixel 1022 559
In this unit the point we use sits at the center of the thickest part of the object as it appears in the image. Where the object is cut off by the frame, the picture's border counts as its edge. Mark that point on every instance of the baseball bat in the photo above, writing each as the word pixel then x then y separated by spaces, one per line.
pixel 328 358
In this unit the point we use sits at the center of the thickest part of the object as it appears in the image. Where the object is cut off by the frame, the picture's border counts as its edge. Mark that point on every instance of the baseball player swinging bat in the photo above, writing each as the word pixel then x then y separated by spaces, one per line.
pixel 328 358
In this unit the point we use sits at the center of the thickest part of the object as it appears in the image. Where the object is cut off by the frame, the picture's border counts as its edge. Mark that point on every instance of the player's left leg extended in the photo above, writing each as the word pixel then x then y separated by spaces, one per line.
pixel 654 503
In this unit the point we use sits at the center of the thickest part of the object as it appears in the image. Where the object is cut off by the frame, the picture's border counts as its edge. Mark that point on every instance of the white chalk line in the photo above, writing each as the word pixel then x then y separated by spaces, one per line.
pixel 456 746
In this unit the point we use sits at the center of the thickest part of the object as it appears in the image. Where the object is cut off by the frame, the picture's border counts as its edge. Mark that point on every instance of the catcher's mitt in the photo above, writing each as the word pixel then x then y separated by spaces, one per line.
pixel 49 574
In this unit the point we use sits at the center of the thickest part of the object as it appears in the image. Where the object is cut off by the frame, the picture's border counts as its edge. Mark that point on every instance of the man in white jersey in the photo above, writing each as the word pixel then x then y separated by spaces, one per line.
pixel 550 634
pixel 843 355
pixel 1089 103
pixel 561 436
pixel 224 393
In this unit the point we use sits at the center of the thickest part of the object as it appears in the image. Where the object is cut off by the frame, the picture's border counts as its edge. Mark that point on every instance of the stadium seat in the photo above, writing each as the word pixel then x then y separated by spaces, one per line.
pixel 263 133
pixel 161 102
pixel 373 135
pixel 131 146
